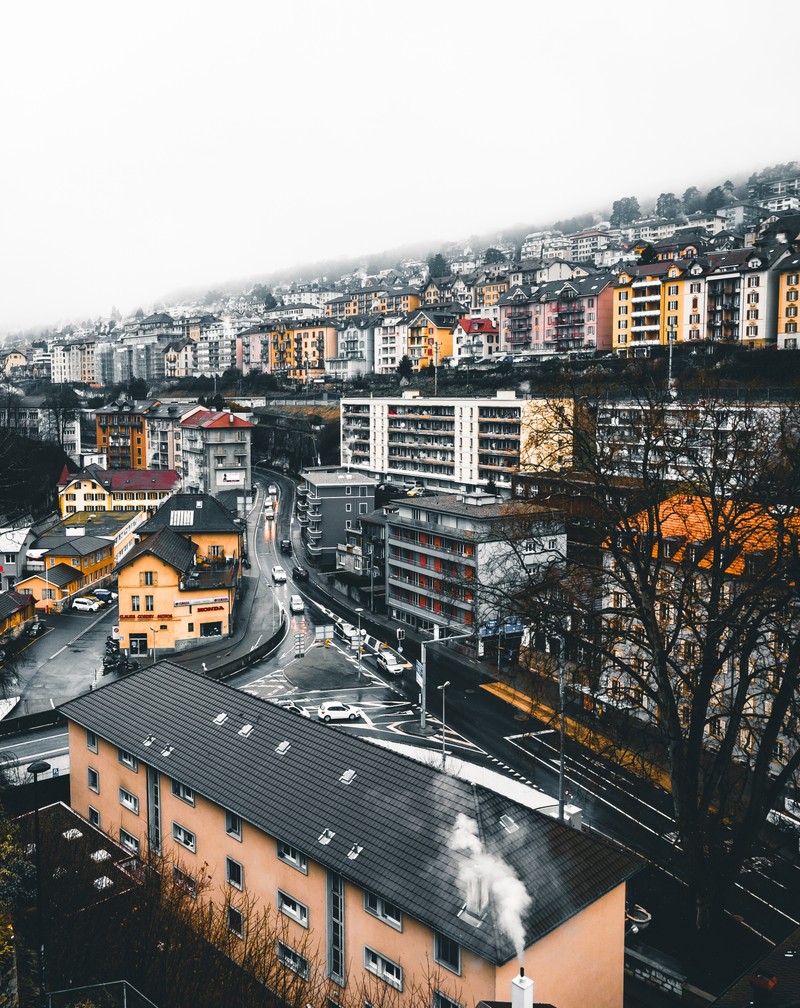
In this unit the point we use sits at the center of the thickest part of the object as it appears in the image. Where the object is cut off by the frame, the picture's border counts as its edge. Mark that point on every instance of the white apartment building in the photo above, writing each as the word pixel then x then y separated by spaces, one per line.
pixel 444 553
pixel 391 342
pixel 73 363
pixel 454 444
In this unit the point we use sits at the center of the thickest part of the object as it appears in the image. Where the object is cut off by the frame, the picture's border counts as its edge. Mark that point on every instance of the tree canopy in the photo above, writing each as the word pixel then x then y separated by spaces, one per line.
pixel 677 598
pixel 625 211
pixel 437 265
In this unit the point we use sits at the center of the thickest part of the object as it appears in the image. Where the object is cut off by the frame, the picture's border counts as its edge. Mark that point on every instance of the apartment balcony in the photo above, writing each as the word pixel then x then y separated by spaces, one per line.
pixel 213 573
pixel 645 328
pixel 302 520
pixel 518 313
pixel 301 505
pixel 314 533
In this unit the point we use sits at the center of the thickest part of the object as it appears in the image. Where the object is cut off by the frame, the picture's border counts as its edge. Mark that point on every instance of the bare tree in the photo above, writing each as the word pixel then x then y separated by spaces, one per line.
pixel 677 599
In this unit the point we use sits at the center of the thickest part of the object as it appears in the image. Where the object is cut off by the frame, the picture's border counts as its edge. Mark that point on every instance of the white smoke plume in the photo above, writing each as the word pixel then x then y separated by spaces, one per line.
pixel 482 875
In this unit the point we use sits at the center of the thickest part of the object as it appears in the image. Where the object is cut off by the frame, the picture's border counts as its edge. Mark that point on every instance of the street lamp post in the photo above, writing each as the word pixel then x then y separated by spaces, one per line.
pixel 155 631
pixel 670 341
pixel 443 688
pixel 37 768
pixel 359 610
pixel 562 672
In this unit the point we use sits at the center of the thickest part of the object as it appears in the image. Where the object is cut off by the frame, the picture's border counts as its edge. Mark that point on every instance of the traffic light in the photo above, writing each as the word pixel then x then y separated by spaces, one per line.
pixel 401 634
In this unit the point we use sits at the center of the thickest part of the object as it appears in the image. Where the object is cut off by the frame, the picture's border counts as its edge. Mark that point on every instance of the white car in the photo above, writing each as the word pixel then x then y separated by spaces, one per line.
pixel 391 664
pixel 296 604
pixel 269 512
pixel 86 605
pixel 273 490
pixel 278 574
pixel 335 710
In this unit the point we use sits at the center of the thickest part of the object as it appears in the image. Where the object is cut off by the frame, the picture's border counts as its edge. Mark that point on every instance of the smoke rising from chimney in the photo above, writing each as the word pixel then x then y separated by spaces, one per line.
pixel 482 875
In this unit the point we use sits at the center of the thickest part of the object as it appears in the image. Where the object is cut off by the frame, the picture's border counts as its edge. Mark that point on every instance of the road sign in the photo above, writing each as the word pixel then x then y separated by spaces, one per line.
pixel 115 633
pixel 420 672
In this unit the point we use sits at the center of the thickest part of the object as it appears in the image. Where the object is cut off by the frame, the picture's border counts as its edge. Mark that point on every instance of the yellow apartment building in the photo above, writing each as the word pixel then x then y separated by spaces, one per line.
pixel 430 336
pixel 179 584
pixel 788 303
pixel 98 489
pixel 388 877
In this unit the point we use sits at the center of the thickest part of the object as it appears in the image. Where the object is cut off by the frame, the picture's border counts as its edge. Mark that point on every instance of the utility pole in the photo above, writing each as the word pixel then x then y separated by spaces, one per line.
pixel 424 669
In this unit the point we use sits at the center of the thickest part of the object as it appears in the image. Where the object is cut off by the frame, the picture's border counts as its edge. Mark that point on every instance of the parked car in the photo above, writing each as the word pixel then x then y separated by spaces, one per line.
pixel 35 629
pixel 278 574
pixel 286 545
pixel 96 598
pixel 86 604
pixel 299 573
pixel 335 710
pixel 296 604
pixel 105 595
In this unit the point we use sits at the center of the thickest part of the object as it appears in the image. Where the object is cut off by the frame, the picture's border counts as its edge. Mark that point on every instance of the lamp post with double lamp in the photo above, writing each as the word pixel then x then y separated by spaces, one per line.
pixel 359 610
pixel 155 631
pixel 443 688
pixel 37 768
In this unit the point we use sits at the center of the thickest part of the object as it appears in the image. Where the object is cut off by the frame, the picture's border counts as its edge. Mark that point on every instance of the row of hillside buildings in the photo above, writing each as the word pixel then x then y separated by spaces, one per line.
pixel 689 287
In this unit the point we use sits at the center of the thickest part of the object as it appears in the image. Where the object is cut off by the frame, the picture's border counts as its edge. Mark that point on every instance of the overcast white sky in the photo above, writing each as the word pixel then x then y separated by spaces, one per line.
pixel 152 145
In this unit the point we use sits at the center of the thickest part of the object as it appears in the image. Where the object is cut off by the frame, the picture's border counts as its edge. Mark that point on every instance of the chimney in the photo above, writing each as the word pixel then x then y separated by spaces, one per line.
pixel 521 991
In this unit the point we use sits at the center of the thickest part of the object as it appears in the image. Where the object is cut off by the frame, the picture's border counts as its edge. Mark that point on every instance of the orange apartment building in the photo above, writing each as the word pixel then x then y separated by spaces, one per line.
pixel 430 336
pixel 179 583
pixel 387 876
pixel 122 434
pixel 97 489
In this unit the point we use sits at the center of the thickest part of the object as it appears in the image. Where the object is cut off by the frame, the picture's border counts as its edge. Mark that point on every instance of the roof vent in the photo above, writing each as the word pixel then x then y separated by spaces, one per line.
pixel 72 834
pixel 282 748
pixel 100 855
pixel 326 836
pixel 103 882
pixel 246 730
pixel 508 824
pixel 149 741
pixel 348 777
pixel 168 751
pixel 221 718
pixel 354 851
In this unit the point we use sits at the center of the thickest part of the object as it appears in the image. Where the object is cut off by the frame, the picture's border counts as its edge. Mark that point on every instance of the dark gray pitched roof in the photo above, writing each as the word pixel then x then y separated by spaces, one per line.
pixel 401 813
pixel 195 512
pixel 12 602
pixel 78 546
pixel 61 575
pixel 168 546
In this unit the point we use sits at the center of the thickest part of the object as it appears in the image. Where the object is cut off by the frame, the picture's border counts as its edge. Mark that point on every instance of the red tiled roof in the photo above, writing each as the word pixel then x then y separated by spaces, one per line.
pixel 478 325
pixel 124 479
pixel 213 418
pixel 749 528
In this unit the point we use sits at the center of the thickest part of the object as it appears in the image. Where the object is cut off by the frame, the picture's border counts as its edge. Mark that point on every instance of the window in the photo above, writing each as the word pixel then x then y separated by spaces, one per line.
pixel 380 908
pixel 447 953
pixel 234 873
pixel 94 817
pixel 752 298
pixel 148 603
pixel 183 792
pixel 622 310
pixel 128 759
pixel 235 921
pixel 694 288
pixel 443 1001
pixel 150 578
pixel 93 779
pixel 292 857
pixel 753 281
pixel 292 908
pixel 233 825
pixel 91 740
pixel 792 278
pixel 136 603
pixel 184 881
pixel 672 289
pixel 129 841
pixel 791 295
pixel 293 960
pixel 184 837
pixel 791 327
pixel 623 295
pixel 384 968
pixel 129 801
pixel 791 312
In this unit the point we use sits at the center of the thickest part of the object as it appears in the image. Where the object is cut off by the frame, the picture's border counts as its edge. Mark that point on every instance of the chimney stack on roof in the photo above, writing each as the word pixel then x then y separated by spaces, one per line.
pixel 521 991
